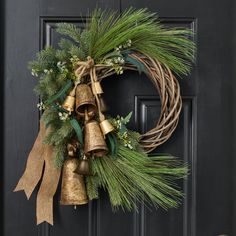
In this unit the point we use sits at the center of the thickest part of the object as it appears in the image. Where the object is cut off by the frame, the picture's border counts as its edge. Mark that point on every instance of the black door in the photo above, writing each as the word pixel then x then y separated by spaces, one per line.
pixel 204 137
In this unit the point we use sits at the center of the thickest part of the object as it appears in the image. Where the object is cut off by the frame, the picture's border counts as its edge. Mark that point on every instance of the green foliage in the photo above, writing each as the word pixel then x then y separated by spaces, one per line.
pixel 50 116
pixel 69 30
pixel 60 134
pixel 59 155
pixel 134 177
pixel 45 60
pixel 172 47
pixel 105 32
pixel 92 185
pixel 108 30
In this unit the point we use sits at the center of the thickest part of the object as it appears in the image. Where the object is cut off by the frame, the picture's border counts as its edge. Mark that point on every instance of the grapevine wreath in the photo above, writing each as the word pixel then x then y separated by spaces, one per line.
pixel 93 149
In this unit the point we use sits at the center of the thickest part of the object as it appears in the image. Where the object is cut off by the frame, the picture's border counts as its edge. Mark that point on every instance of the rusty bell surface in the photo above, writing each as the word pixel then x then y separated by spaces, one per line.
pixel 69 103
pixel 94 143
pixel 85 100
pixel 106 127
pixel 73 191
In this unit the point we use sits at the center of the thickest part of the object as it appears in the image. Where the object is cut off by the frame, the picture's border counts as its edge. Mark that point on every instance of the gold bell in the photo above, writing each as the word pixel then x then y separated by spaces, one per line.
pixel 83 167
pixel 73 190
pixel 106 127
pixel 94 142
pixel 85 100
pixel 97 88
pixel 69 103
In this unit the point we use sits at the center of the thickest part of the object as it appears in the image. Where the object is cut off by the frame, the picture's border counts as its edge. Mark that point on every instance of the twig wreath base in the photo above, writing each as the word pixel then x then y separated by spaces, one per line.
pixel 171 102
pixel 166 85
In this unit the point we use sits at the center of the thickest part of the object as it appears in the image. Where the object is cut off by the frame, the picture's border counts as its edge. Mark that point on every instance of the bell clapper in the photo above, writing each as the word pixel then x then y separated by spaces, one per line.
pixel 86 115
pixel 75 207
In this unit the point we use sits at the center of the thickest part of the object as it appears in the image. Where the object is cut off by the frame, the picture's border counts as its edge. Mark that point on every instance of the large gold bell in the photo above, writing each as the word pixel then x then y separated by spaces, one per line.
pixel 73 190
pixel 106 127
pixel 83 167
pixel 94 143
pixel 85 100
pixel 69 103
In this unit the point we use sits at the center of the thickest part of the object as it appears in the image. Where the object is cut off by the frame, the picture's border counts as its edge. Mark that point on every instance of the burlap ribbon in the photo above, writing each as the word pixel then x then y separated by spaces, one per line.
pixel 40 156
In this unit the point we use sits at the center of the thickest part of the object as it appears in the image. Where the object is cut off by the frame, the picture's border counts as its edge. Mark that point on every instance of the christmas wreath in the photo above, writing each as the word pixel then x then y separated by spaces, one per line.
pixel 76 133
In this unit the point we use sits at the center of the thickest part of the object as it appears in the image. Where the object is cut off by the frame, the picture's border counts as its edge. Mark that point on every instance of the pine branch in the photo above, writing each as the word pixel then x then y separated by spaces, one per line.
pixel 133 175
pixel 92 185
pixel 59 156
pixel 61 132
pixel 172 47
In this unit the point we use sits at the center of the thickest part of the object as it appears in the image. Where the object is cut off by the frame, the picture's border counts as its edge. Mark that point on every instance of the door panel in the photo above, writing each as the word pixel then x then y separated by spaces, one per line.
pixel 212 89
pixel 202 138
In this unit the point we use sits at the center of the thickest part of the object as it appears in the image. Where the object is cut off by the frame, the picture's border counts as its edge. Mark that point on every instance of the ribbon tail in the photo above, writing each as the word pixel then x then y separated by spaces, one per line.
pixel 47 189
pixel 34 165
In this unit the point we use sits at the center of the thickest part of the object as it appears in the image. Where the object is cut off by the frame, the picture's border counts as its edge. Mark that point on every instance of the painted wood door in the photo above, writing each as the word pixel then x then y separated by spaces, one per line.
pixel 204 137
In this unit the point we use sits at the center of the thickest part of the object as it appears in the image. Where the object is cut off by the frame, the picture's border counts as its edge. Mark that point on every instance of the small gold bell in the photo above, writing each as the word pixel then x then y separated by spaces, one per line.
pixel 73 190
pixel 106 127
pixel 85 100
pixel 83 167
pixel 69 103
pixel 97 88
pixel 94 143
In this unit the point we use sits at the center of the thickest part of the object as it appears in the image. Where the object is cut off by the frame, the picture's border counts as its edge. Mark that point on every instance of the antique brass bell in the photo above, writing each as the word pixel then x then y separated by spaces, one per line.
pixel 69 103
pixel 94 143
pixel 73 190
pixel 97 89
pixel 85 100
pixel 106 127
pixel 83 167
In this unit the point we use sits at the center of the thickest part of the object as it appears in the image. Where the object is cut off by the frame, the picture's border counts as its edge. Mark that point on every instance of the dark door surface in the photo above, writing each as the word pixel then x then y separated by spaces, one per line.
pixel 204 137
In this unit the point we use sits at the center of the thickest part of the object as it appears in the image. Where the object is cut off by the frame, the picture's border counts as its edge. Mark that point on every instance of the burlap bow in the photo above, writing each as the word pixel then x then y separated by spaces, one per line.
pixel 40 156
pixel 40 162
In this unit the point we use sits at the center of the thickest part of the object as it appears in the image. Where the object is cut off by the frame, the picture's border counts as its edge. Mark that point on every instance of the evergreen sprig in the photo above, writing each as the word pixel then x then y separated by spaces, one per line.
pixel 70 30
pixel 134 177
pixel 107 30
